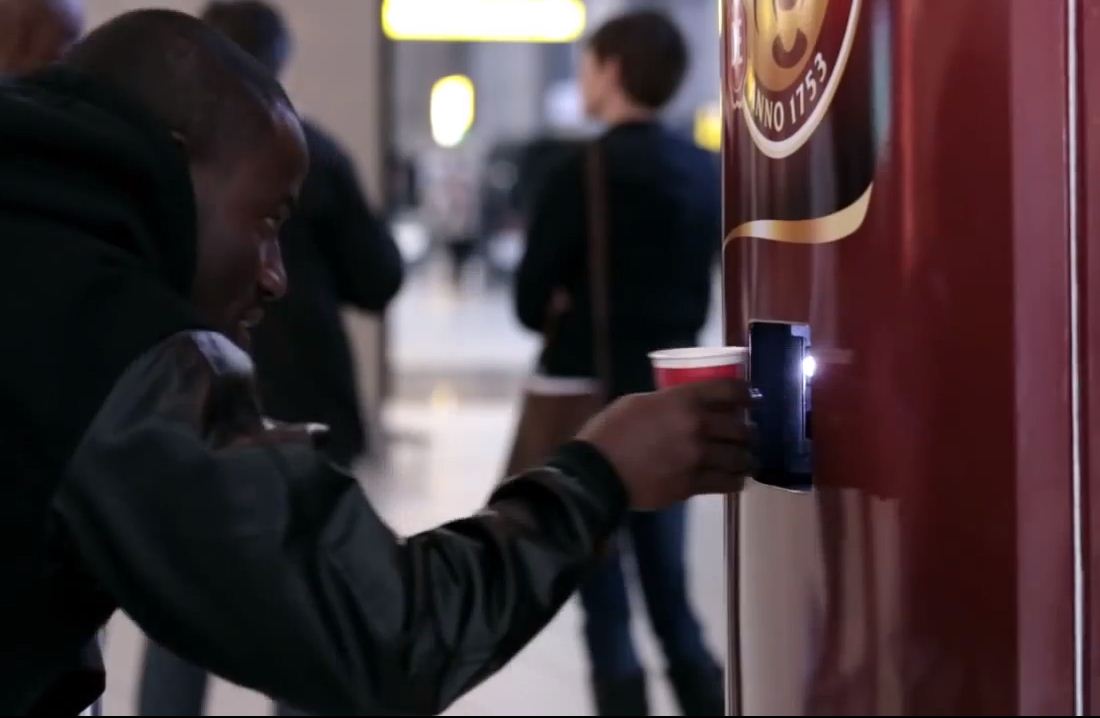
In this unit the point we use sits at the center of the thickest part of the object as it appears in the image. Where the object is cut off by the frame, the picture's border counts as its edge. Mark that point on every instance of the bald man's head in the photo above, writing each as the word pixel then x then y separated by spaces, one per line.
pixel 242 137
pixel 35 33
pixel 207 91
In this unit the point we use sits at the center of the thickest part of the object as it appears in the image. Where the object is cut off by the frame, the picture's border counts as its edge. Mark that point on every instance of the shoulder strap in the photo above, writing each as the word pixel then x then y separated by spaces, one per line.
pixel 596 194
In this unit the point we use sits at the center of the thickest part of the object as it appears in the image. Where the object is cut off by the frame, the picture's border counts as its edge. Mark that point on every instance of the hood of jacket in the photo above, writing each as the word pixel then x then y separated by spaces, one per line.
pixel 79 155
pixel 97 229
pixel 97 222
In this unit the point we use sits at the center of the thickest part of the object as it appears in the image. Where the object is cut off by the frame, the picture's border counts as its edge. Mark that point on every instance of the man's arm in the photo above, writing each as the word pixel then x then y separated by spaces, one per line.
pixel 241 550
pixel 555 244
pixel 357 245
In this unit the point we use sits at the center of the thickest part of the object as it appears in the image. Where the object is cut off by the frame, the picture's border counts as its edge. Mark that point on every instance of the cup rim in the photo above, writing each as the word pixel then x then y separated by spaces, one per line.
pixel 698 357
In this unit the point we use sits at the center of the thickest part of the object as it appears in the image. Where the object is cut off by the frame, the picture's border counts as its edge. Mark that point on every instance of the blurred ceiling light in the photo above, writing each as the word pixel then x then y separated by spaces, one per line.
pixel 484 20
pixel 708 127
pixel 453 107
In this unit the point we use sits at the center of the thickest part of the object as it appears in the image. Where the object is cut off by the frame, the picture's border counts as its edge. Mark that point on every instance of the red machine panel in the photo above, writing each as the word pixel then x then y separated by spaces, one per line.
pixel 898 179
pixel 1087 270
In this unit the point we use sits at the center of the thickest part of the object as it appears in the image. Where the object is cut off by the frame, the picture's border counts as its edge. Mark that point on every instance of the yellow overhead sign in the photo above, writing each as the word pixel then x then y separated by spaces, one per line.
pixel 484 20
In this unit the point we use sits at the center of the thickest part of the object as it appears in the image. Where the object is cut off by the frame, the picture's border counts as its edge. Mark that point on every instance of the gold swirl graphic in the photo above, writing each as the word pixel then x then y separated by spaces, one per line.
pixel 820 230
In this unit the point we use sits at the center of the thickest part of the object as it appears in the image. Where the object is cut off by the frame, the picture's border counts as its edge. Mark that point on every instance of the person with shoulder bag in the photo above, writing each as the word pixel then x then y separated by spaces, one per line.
pixel 621 248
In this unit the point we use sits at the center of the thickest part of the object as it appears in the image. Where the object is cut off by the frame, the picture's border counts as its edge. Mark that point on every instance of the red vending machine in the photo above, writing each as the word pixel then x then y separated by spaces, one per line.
pixel 912 252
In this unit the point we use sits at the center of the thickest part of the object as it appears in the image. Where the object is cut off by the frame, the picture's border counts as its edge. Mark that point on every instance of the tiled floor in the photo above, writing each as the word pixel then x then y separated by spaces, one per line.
pixel 460 358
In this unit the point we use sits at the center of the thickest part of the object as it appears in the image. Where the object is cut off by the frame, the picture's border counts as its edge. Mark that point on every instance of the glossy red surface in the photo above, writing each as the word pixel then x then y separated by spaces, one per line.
pixel 1089 323
pixel 931 571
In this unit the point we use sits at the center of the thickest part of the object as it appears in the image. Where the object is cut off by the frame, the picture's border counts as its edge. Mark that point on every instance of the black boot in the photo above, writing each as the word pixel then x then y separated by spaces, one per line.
pixel 699 689
pixel 621 697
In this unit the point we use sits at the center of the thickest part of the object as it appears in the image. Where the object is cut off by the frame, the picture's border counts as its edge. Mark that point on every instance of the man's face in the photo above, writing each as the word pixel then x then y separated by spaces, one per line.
pixel 242 203
pixel 598 80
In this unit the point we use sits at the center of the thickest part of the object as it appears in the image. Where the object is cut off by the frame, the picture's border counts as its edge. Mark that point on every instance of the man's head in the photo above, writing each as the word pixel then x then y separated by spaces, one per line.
pixel 254 25
pixel 242 138
pixel 35 33
pixel 634 62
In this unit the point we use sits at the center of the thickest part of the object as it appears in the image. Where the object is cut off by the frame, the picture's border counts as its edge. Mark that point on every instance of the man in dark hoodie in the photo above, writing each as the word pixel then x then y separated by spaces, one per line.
pixel 337 253
pixel 142 189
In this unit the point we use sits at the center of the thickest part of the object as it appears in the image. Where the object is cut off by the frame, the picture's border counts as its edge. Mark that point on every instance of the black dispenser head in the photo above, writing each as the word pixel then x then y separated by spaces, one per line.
pixel 781 370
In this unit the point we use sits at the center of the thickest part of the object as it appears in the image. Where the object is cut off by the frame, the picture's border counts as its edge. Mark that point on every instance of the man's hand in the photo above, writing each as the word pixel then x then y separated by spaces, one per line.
pixel 671 445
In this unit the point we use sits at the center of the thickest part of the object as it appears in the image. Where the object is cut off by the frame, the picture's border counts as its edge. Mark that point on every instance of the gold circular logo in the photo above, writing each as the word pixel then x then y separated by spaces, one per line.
pixel 785 60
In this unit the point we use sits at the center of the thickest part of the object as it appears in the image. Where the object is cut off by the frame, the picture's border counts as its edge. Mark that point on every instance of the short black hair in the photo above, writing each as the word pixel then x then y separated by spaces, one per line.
pixel 651 51
pixel 254 25
pixel 197 82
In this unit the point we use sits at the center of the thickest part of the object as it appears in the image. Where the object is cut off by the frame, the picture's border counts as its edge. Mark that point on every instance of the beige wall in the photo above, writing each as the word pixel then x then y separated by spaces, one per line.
pixel 334 76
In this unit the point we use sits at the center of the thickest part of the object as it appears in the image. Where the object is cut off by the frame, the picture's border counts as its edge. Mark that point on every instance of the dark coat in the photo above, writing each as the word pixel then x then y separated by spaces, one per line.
pixel 664 232
pixel 337 253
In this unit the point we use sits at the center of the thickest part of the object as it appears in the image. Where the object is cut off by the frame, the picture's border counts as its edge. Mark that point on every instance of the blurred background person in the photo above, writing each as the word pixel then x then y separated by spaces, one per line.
pixel 337 253
pixel 35 33
pixel 663 227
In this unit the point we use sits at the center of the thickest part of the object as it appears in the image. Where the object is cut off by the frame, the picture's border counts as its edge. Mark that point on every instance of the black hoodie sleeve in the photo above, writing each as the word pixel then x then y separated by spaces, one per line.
pixel 234 545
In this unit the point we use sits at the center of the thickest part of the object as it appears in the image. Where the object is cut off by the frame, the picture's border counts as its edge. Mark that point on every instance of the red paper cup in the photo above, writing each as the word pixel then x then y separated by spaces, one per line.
pixel 673 367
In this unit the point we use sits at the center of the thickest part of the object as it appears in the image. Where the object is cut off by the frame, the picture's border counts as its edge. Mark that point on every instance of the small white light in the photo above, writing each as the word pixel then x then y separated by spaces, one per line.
pixel 809 366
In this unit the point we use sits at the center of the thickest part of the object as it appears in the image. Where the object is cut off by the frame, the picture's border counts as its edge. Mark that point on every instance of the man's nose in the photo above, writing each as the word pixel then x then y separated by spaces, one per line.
pixel 273 281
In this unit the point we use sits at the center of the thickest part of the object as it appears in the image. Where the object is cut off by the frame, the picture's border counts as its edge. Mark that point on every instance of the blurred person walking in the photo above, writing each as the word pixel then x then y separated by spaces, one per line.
pixel 336 253
pixel 653 199
pixel 35 33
